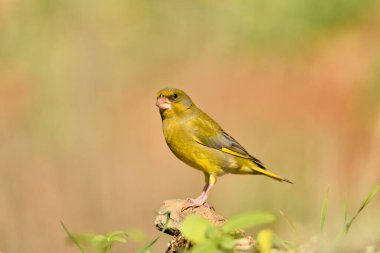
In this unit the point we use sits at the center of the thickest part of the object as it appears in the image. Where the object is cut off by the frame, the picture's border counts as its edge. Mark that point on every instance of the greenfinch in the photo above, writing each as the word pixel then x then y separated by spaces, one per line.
pixel 197 140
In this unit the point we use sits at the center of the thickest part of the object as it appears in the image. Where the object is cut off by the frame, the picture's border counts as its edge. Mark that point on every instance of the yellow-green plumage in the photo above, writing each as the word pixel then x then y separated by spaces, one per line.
pixel 200 142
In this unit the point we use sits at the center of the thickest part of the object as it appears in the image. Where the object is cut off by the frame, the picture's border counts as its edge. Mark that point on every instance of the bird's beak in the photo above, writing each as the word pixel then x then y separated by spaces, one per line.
pixel 163 103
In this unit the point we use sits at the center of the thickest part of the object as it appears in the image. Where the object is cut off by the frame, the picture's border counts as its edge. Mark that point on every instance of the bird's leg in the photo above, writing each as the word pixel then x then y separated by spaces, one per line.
pixel 206 188
pixel 201 199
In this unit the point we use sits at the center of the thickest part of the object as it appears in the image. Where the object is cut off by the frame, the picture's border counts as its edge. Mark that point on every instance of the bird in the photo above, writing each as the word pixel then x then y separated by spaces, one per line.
pixel 200 142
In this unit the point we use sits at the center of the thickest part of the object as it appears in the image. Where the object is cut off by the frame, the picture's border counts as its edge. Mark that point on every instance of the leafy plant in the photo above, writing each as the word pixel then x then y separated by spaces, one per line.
pixel 103 243
pixel 208 238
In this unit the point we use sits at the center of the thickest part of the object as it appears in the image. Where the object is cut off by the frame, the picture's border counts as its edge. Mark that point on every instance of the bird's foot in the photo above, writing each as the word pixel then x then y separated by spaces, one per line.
pixel 195 203
pixel 191 203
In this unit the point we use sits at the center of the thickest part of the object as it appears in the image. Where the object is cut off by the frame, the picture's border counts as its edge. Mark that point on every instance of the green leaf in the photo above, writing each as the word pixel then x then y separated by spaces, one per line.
pixel 206 247
pixel 72 238
pixel 117 238
pixel 136 235
pixel 324 210
pixel 247 220
pixel 265 240
pixel 212 233
pixel 123 233
pixel 194 228
pixel 100 242
pixel 227 242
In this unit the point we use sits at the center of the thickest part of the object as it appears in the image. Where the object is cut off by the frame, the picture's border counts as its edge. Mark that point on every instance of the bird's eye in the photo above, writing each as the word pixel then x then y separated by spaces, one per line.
pixel 175 95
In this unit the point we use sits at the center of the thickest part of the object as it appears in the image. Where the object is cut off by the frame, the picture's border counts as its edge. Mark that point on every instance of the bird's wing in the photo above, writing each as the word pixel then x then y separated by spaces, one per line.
pixel 225 143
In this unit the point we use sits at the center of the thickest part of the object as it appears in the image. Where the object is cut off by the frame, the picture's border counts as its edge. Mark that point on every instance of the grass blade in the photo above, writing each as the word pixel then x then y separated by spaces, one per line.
pixel 72 238
pixel 290 223
pixel 345 211
pixel 324 210
pixel 367 200
pixel 369 197
pixel 150 244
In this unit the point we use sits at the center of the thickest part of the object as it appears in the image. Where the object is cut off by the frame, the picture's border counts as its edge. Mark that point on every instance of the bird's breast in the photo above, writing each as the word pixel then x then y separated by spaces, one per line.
pixel 181 142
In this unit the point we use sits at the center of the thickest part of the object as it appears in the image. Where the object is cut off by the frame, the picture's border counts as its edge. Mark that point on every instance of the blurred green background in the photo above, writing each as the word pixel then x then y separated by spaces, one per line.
pixel 296 82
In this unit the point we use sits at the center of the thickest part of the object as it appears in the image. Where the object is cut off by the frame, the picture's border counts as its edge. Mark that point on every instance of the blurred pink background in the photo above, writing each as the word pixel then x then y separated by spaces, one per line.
pixel 297 84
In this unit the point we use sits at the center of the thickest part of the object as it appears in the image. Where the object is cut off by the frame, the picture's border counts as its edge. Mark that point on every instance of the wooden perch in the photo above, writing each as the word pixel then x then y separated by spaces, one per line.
pixel 178 243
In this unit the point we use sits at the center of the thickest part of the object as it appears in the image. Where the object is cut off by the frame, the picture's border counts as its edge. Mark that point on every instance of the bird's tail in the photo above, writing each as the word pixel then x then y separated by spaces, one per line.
pixel 261 171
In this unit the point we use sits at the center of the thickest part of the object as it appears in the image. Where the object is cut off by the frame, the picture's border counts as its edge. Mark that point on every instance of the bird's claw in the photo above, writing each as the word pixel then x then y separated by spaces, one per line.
pixel 194 203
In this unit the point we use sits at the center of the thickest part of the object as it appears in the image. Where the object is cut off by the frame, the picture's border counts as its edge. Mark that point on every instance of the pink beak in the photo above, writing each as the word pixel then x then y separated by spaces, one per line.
pixel 163 103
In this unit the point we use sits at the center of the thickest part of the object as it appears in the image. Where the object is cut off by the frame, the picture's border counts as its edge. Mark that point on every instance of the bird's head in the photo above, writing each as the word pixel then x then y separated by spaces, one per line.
pixel 172 102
